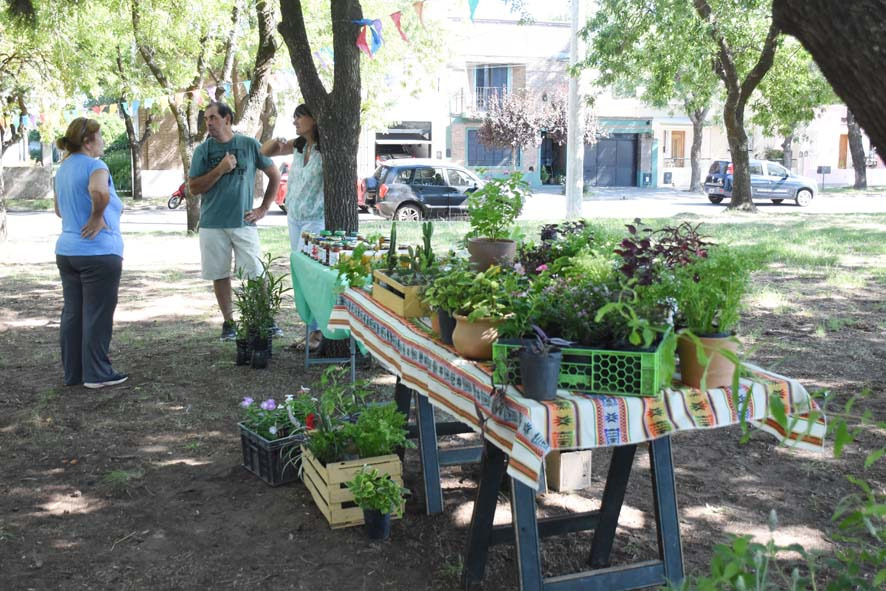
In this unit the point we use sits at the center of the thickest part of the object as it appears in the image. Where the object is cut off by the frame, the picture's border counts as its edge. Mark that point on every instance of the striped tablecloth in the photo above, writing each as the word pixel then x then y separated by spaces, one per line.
pixel 526 430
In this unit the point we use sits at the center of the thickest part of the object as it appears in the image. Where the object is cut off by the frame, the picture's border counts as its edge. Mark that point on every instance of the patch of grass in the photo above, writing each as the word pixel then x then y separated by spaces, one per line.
pixel 837 324
pixel 195 445
pixel 7 532
pixel 448 574
pixel 46 398
pixel 30 205
pixel 118 480
pixel 770 299
pixel 849 190
pixel 845 279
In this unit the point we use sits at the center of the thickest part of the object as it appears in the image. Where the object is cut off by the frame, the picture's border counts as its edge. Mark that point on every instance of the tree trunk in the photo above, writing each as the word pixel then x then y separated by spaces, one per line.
pixel 14 138
pixel 135 147
pixel 737 94
pixel 4 231
pixel 787 147
pixel 856 148
pixel 738 149
pixel 338 112
pixel 698 118
pixel 846 40
pixel 249 112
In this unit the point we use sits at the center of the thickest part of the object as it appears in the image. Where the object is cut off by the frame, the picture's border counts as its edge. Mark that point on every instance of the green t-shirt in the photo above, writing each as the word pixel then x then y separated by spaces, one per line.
pixel 225 204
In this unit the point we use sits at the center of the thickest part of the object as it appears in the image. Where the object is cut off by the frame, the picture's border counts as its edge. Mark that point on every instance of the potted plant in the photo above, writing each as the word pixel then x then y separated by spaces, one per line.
pixel 379 496
pixel 540 359
pixel 258 299
pixel 480 301
pixel 443 296
pixel 709 293
pixel 399 285
pixel 269 437
pixel 343 434
pixel 492 211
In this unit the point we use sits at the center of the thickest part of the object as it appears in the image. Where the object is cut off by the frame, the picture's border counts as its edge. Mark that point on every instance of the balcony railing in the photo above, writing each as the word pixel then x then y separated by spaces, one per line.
pixel 463 101
pixel 485 96
pixel 676 162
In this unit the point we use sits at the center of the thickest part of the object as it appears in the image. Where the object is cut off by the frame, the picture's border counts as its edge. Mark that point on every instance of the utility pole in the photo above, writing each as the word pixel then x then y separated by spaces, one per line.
pixel 575 121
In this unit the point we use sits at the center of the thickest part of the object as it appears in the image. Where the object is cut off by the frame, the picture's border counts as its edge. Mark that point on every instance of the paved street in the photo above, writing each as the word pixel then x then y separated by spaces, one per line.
pixel 603 203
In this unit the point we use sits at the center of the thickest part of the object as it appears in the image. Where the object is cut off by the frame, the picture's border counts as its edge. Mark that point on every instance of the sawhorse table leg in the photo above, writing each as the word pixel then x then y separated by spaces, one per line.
pixel 426 429
pixel 527 529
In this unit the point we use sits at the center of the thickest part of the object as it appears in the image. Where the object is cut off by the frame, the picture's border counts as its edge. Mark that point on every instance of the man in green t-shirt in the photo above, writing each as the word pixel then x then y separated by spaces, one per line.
pixel 223 172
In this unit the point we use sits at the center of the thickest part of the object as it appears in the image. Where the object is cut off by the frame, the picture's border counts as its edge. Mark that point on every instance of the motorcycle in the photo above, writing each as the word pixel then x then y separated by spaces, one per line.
pixel 176 199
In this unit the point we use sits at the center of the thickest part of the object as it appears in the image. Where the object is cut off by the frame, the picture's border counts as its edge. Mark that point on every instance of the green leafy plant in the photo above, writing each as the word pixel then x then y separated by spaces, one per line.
pixel 380 430
pixel 494 208
pixel 484 294
pixel 709 291
pixel 377 491
pixel 339 423
pixel 334 405
pixel 353 271
pixel 258 299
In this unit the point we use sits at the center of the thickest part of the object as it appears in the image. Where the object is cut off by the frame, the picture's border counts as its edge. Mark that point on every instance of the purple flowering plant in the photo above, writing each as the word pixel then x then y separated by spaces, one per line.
pixel 275 419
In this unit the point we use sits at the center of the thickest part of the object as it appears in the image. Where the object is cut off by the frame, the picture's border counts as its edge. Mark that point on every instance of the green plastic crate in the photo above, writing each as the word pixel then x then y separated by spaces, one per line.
pixel 599 371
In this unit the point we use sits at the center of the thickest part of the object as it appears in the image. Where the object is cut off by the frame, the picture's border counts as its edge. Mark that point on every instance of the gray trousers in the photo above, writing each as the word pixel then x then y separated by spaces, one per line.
pixel 90 285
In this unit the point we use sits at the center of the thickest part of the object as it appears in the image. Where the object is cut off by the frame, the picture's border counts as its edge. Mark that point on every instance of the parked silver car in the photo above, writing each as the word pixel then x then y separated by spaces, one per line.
pixel 769 180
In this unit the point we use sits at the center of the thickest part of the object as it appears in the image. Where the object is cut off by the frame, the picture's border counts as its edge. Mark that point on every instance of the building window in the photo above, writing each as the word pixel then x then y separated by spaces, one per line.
pixel 481 155
pixel 490 82
pixel 843 157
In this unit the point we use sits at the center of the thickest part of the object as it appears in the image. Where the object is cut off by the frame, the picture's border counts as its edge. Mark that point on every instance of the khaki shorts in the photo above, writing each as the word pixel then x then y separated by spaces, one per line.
pixel 216 245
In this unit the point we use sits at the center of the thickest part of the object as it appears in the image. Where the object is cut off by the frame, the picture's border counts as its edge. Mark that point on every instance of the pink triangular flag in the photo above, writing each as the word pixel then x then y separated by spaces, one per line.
pixel 361 42
pixel 396 18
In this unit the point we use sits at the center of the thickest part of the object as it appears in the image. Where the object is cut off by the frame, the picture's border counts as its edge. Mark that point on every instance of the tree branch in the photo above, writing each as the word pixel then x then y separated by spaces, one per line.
pixel 292 28
pixel 764 63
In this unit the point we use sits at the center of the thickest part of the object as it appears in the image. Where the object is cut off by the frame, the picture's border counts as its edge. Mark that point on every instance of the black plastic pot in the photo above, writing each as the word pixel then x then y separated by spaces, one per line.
pixel 244 352
pixel 447 325
pixel 539 374
pixel 261 352
pixel 378 524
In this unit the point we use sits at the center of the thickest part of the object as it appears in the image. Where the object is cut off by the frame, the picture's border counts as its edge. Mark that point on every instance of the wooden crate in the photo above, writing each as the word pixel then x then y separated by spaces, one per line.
pixel 327 485
pixel 403 300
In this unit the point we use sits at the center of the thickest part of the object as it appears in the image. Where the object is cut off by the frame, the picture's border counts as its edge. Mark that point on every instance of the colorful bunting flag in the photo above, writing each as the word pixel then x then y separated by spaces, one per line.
pixel 396 18
pixel 375 29
pixel 361 42
pixel 247 85
pixel 473 6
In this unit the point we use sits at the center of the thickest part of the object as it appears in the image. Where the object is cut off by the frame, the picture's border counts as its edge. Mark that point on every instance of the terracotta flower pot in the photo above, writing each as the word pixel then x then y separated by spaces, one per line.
pixel 485 252
pixel 473 340
pixel 720 369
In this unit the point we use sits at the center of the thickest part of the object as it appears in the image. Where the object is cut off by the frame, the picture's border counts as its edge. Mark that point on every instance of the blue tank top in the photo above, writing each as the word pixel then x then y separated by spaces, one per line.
pixel 75 206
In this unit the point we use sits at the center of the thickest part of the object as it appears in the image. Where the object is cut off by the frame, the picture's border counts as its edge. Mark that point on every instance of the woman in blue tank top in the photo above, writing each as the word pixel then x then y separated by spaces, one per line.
pixel 89 255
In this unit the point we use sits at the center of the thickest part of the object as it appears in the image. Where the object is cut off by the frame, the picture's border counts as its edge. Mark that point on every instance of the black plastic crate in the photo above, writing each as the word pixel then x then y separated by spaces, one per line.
pixel 269 460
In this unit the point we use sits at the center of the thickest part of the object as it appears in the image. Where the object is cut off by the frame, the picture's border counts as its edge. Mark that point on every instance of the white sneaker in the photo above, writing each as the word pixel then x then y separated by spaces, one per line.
pixel 117 378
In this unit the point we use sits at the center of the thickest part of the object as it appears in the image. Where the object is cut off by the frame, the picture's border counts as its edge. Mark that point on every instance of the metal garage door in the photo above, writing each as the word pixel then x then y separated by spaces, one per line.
pixel 612 161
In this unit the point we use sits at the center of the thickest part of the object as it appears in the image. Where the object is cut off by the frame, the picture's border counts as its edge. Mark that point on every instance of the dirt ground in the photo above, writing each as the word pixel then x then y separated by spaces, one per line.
pixel 140 486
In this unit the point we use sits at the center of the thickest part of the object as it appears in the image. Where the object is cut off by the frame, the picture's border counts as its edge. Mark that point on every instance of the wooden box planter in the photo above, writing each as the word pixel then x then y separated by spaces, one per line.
pixel 403 300
pixel 327 485
pixel 269 460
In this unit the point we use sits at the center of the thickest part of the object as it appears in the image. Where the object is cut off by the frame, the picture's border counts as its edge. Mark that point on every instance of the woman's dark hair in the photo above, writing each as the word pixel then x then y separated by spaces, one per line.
pixel 80 131
pixel 300 142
